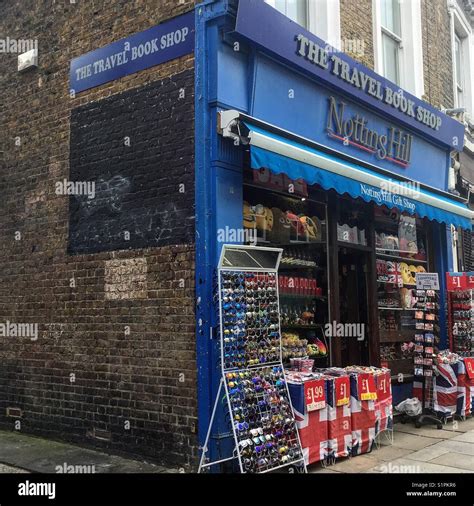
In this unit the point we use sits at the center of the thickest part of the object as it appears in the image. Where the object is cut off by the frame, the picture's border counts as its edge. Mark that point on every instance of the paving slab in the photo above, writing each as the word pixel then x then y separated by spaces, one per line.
pixel 467 437
pixel 412 441
pixel 356 464
pixel 457 446
pixel 429 453
pixel 426 431
pixel 407 466
pixel 457 460
pixel 386 453
pixel 45 456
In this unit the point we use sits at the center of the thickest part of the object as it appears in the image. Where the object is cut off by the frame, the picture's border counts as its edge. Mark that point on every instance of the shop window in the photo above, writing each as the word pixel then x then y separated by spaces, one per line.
pixel 398 43
pixel 291 215
pixel 401 252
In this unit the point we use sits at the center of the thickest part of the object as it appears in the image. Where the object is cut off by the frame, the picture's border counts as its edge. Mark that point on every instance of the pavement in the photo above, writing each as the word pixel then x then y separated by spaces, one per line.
pixel 23 453
pixel 423 450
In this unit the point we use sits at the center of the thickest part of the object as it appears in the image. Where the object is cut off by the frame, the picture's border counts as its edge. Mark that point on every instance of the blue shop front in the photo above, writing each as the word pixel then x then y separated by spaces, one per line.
pixel 299 146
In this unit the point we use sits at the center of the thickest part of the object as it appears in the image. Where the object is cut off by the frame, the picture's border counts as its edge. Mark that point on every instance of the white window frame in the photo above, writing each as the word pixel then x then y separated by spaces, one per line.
pixel 323 19
pixel 411 45
pixel 461 29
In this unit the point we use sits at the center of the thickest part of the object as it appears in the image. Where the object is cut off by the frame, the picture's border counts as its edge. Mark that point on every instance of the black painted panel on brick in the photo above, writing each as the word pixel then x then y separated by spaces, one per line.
pixel 138 149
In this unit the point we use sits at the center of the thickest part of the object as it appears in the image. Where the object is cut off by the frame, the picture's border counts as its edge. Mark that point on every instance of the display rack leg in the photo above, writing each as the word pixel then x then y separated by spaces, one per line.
pixel 202 464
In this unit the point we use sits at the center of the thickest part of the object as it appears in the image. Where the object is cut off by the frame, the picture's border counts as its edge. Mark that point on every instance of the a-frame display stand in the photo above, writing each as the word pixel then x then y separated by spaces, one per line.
pixel 257 397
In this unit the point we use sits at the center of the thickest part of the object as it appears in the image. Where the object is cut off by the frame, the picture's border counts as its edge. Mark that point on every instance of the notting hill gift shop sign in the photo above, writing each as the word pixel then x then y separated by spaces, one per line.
pixel 159 44
pixel 276 34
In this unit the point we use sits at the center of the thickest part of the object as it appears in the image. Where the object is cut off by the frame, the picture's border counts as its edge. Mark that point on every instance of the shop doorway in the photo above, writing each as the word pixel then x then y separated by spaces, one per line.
pixel 354 305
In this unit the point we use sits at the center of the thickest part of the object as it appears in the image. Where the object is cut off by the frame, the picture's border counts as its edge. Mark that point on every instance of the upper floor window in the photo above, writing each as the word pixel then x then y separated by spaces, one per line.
pixel 398 43
pixel 391 39
pixel 321 17
pixel 458 70
pixel 297 10
pixel 462 40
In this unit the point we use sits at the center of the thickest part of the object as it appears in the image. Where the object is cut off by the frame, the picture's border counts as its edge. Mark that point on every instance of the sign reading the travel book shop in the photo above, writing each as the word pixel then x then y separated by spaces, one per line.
pixel 276 34
pixel 140 51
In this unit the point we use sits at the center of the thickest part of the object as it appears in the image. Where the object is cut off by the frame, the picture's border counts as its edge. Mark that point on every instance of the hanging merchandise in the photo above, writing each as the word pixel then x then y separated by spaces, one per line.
pixel 428 389
pixel 259 407
pixel 460 312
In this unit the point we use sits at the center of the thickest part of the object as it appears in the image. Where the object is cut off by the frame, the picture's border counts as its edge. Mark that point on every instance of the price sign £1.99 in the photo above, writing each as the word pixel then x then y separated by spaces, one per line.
pixel 315 395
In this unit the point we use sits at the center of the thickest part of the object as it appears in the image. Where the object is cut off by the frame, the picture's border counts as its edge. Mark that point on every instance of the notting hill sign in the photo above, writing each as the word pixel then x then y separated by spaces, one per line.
pixel 393 145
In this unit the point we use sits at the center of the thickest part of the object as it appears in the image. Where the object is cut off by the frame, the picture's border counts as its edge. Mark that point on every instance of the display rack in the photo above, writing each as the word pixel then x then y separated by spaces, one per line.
pixel 461 322
pixel 426 338
pixel 259 407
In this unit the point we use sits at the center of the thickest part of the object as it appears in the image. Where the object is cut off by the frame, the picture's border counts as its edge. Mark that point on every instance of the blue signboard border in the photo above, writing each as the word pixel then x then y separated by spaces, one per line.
pixel 156 45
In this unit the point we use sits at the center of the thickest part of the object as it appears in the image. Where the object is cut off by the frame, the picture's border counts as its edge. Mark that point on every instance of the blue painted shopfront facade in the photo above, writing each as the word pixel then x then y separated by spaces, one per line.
pixel 254 60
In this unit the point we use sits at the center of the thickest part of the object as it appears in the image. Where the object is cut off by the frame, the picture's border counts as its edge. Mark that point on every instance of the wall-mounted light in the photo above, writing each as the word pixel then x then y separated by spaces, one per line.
pixel 28 60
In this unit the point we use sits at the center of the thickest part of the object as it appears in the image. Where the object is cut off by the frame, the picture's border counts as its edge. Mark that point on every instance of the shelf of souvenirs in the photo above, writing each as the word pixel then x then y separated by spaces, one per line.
pixel 353 245
pixel 394 336
pixel 388 308
pixel 397 283
pixel 382 252
pixel 293 242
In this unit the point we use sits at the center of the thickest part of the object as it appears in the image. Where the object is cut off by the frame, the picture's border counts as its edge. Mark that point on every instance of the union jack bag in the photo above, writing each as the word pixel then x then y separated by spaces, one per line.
pixel 312 426
pixel 339 417
pixel 363 418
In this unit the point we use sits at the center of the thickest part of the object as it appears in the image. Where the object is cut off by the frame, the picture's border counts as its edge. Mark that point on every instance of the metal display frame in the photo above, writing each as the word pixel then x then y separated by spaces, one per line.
pixel 222 268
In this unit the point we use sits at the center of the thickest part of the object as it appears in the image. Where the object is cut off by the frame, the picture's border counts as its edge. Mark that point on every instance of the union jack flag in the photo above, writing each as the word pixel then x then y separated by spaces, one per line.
pixel 445 389
pixel 362 421
pixel 339 424
pixel 312 426
pixel 463 407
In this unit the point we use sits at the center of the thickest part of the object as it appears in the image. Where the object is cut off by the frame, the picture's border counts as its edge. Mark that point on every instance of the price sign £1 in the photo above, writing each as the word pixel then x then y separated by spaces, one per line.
pixel 383 386
pixel 315 395
pixel 367 389
pixel 342 387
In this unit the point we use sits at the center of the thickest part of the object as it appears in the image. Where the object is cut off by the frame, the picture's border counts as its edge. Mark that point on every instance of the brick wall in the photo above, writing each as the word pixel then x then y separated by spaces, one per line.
pixel 437 60
pixel 114 362
pixel 356 24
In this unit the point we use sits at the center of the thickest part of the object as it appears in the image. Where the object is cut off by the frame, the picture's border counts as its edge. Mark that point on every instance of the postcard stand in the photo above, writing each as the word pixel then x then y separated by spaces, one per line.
pixel 264 430
pixel 427 330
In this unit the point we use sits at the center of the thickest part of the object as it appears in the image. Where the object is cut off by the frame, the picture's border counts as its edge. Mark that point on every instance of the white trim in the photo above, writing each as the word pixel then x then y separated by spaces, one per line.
pixel 342 169
pixel 460 27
